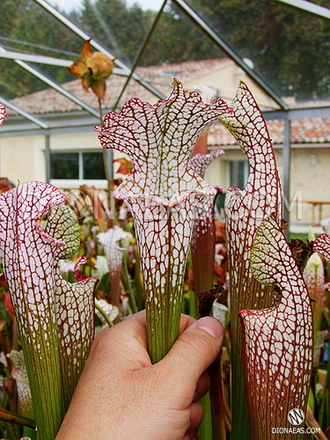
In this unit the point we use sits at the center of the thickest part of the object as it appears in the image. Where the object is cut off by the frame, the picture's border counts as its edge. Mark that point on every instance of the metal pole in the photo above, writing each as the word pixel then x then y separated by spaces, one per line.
pixel 23 113
pixel 286 168
pixel 310 7
pixel 33 58
pixel 229 51
pixel 47 157
pixel 109 156
pixel 85 36
pixel 54 85
pixel 141 51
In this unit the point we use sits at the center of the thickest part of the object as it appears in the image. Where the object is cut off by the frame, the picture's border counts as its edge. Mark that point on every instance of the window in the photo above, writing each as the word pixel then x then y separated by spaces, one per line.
pixel 77 166
pixel 93 166
pixel 238 173
pixel 64 166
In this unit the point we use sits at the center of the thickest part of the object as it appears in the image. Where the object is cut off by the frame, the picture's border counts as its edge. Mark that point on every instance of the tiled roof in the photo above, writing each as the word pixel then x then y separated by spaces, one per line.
pixel 50 101
pixel 304 131
pixel 315 130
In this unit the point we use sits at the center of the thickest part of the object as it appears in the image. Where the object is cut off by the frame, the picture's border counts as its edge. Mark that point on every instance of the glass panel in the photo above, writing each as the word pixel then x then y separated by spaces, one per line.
pixel 93 167
pixel 8 82
pixel 180 49
pixel 64 166
pixel 177 39
pixel 27 28
pixel 286 46
pixel 59 102
pixel 121 28
pixel 47 100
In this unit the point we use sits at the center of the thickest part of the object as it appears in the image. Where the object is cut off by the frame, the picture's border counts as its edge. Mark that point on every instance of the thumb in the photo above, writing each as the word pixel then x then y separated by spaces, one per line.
pixel 196 348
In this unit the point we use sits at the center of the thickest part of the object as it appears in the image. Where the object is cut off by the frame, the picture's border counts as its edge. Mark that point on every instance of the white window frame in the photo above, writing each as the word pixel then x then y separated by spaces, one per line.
pixel 76 183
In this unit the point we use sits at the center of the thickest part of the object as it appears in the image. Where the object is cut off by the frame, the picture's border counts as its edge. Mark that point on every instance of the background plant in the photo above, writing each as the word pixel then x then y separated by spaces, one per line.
pixel 149 189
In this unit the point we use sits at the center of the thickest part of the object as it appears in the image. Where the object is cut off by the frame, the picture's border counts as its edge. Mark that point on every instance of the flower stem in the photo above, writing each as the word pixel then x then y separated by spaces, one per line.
pixel 126 278
pixel 8 416
pixel 105 316
pixel 107 175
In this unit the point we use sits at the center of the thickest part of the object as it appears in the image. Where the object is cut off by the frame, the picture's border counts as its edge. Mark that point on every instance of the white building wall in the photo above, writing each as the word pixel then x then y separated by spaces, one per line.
pixel 310 180
pixel 75 141
pixel 23 158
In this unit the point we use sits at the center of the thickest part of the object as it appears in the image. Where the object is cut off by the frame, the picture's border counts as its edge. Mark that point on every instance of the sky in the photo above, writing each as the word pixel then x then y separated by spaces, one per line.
pixel 68 5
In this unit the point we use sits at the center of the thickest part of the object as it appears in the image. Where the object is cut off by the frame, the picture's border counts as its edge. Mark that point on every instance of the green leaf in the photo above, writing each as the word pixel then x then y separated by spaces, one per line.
pixel 278 341
pixel 55 318
pixel 163 193
pixel 245 209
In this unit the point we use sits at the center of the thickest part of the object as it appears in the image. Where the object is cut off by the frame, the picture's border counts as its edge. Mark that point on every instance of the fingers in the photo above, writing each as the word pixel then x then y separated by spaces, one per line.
pixel 137 327
pixel 127 338
pixel 139 317
pixel 202 386
pixel 196 416
pixel 195 419
pixel 196 409
pixel 185 322
pixel 196 348
pixel 132 327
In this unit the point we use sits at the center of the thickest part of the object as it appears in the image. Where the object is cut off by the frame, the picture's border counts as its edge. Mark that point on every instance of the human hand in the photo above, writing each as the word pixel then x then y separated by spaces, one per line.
pixel 122 396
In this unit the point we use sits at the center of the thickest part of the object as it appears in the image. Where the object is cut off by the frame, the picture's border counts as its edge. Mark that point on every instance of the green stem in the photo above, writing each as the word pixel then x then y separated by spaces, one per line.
pixel 30 433
pixel 128 285
pixel 107 175
pixel 138 289
pixel 10 432
pixel 205 429
pixel 105 316
pixel 8 416
pixel 163 315
pixel 45 382
pixel 192 304
pixel 129 310
pixel 100 110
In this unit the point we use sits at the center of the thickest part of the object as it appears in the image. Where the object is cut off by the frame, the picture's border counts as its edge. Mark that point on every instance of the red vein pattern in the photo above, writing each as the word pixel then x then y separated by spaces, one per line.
pixel 163 193
pixel 74 302
pixel 2 113
pixel 115 241
pixel 314 278
pixel 245 209
pixel 203 234
pixel 55 318
pixel 82 259
pixel 19 373
pixel 277 342
pixel 322 246
pixel 199 162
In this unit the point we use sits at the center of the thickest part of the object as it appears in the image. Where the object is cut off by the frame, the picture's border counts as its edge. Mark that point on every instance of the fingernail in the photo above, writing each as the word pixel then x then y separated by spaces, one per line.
pixel 210 326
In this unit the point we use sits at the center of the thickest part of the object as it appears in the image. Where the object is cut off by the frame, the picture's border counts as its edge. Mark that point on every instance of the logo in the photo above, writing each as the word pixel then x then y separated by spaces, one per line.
pixel 296 416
